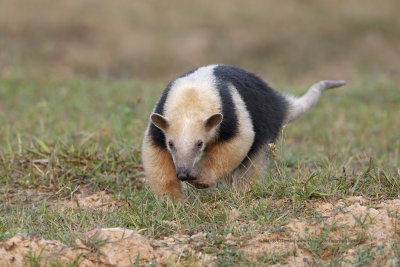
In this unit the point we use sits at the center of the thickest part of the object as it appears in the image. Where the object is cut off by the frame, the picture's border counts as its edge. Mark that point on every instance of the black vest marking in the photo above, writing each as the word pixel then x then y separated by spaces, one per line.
pixel 157 136
pixel 229 125
pixel 266 106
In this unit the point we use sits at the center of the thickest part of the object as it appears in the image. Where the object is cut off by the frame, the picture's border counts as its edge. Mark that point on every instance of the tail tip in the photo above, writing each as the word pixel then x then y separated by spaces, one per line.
pixel 329 84
pixel 341 83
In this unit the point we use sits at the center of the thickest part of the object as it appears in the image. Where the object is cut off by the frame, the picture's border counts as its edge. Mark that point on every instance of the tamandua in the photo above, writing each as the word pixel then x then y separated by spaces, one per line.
pixel 217 121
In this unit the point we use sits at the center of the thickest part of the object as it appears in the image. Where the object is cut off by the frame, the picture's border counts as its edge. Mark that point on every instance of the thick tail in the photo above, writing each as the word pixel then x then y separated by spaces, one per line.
pixel 300 106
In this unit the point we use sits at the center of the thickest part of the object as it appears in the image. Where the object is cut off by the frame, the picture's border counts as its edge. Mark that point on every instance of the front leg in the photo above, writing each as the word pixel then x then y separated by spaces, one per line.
pixel 218 160
pixel 160 171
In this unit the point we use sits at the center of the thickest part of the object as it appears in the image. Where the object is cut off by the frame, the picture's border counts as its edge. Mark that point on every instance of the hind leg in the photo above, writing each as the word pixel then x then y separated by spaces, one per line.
pixel 252 169
pixel 160 171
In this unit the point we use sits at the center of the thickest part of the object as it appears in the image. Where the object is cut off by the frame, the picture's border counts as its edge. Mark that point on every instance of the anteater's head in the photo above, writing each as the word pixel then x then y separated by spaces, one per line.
pixel 186 139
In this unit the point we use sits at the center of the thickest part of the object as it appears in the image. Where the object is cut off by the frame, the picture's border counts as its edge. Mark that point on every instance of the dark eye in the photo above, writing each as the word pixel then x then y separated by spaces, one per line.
pixel 170 144
pixel 200 144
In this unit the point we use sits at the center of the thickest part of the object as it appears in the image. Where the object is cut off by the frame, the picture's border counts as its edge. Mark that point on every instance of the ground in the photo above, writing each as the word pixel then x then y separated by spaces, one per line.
pixel 353 231
pixel 73 194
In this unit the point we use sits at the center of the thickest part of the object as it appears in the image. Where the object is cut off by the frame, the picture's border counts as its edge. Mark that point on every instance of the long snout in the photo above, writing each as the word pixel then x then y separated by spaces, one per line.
pixel 184 160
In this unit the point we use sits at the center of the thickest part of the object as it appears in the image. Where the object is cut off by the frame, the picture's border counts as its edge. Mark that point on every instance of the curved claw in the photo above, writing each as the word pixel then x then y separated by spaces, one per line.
pixel 198 185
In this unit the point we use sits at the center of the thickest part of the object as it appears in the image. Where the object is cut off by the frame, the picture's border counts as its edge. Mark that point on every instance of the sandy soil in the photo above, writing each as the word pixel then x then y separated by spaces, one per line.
pixel 121 247
pixel 379 230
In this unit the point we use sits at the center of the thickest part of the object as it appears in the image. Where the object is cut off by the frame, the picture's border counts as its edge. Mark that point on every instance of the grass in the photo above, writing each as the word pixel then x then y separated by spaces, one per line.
pixel 64 137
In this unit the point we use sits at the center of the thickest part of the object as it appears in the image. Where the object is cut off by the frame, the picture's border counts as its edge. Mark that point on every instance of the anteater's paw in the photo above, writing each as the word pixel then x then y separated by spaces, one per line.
pixel 199 185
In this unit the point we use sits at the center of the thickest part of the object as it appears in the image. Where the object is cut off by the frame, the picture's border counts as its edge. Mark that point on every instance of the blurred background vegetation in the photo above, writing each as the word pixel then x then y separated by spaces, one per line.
pixel 297 42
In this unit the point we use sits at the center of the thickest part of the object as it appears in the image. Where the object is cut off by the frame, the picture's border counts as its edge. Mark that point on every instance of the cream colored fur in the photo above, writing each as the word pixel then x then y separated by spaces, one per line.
pixel 300 106
pixel 191 100
pixel 221 158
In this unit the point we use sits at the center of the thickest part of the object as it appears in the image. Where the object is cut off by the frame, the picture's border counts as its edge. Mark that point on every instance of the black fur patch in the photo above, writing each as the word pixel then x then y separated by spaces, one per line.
pixel 266 106
pixel 229 125
pixel 157 136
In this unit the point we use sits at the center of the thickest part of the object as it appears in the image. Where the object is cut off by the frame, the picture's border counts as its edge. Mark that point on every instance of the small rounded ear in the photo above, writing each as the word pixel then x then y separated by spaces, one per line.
pixel 159 121
pixel 213 121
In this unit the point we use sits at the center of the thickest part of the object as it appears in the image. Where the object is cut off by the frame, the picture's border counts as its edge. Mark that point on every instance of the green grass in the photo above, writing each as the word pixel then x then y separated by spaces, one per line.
pixel 62 137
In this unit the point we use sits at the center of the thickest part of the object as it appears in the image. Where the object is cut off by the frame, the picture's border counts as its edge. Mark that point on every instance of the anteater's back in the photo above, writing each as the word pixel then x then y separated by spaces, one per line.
pixel 267 107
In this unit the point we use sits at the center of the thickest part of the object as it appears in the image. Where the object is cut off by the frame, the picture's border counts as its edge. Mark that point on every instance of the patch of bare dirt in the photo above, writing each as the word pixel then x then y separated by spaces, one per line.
pixel 110 246
pixel 355 221
pixel 103 247
pixel 14 251
pixel 85 199
pixel 100 200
